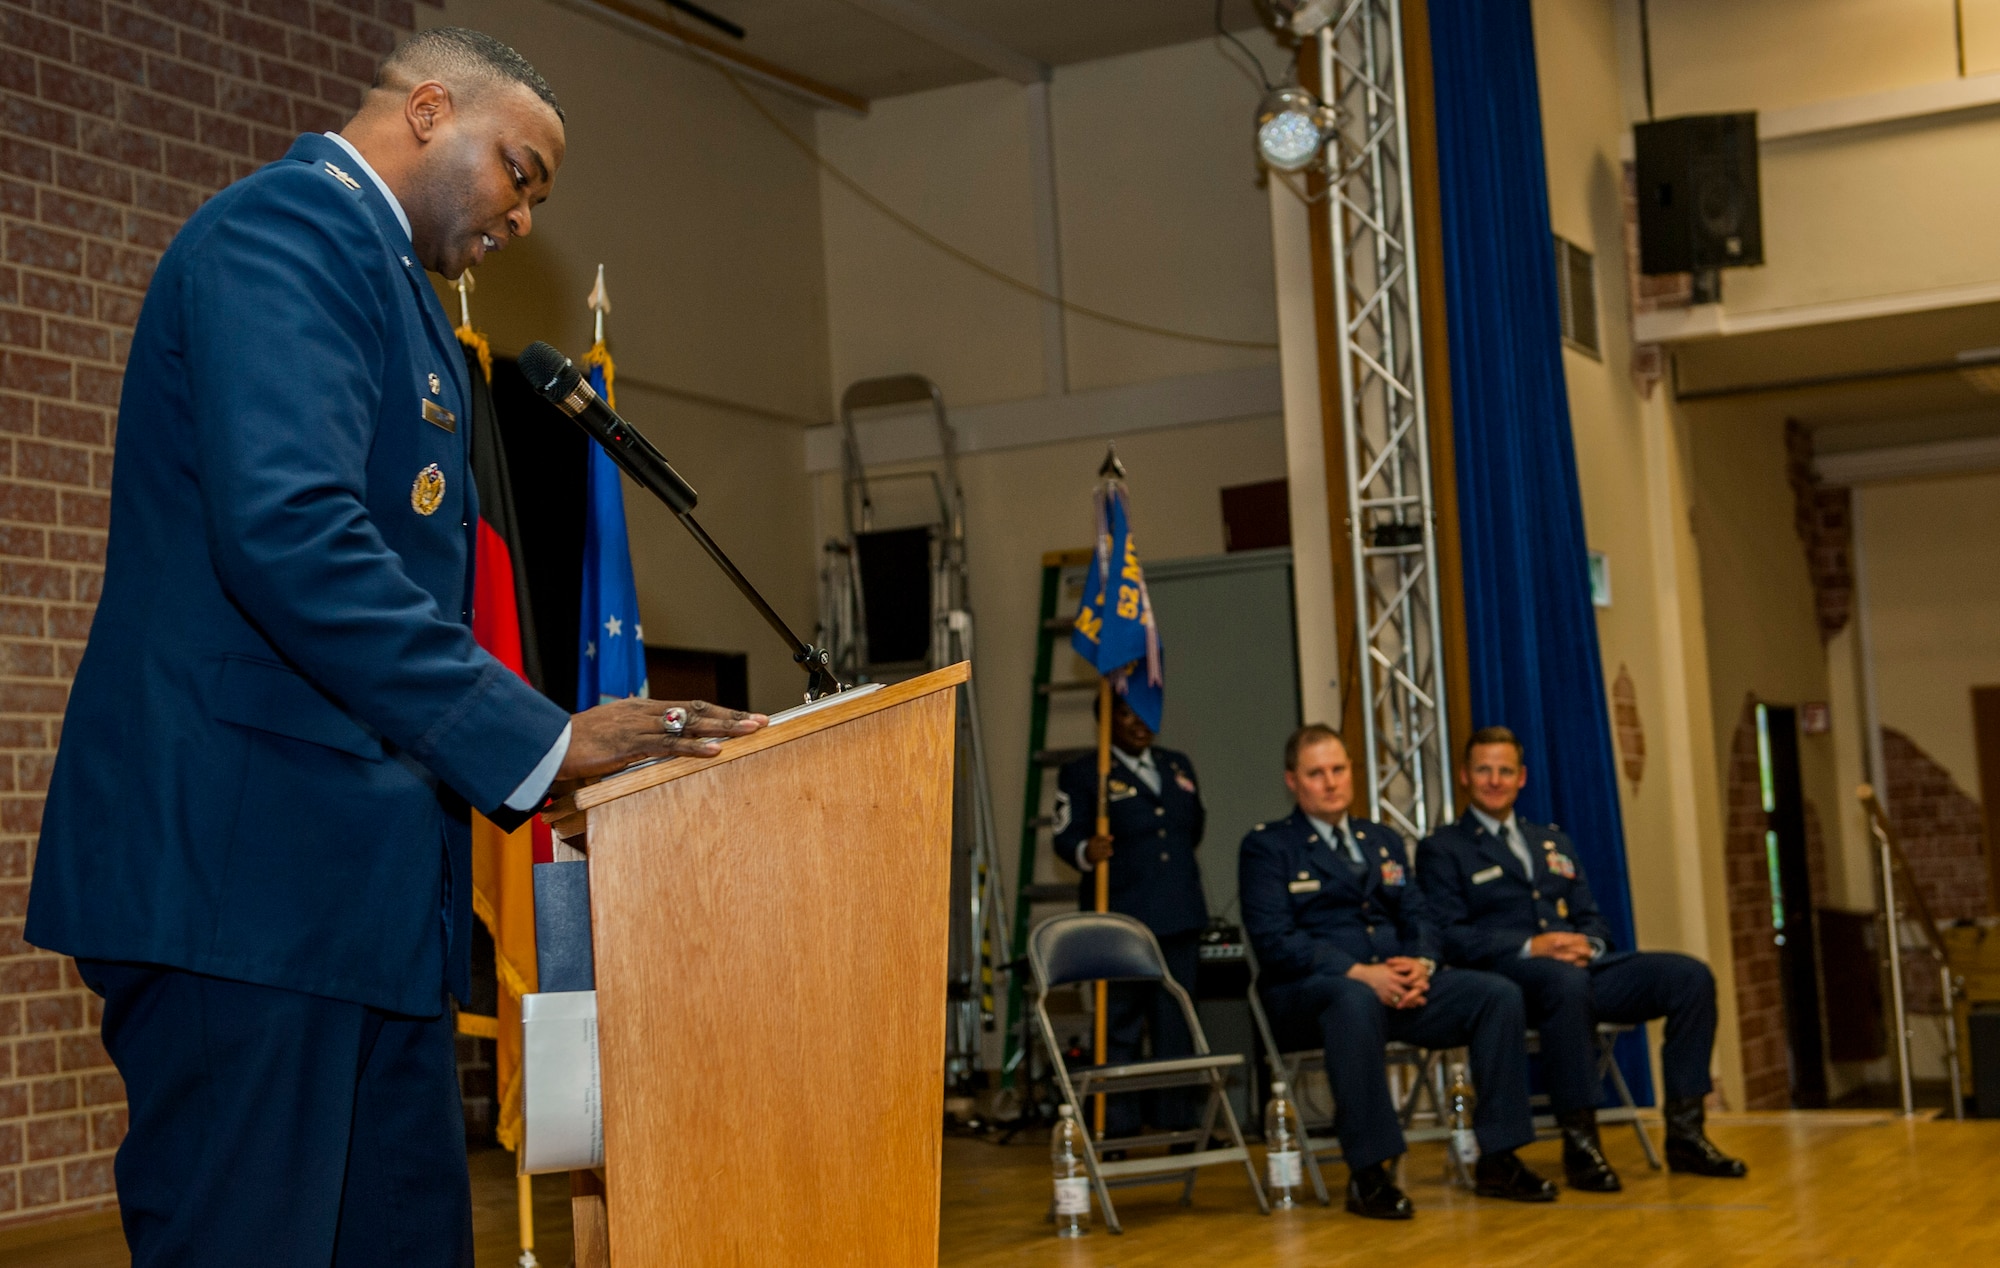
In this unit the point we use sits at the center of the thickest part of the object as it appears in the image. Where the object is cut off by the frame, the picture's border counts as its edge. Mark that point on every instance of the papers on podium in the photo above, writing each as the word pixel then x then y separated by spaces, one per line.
pixel 561 1095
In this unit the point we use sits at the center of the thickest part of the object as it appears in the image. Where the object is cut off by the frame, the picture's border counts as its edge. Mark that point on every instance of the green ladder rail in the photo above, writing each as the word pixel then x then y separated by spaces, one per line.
pixel 1050 631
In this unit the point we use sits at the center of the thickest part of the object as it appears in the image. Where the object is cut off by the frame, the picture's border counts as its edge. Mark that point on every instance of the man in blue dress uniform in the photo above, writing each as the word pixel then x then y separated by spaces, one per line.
pixel 1348 960
pixel 1156 825
pixel 1510 896
pixel 256 840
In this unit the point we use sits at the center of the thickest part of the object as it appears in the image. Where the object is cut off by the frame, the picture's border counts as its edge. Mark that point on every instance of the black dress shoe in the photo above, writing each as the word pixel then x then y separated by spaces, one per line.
pixel 1584 1163
pixel 1372 1193
pixel 1690 1151
pixel 1502 1175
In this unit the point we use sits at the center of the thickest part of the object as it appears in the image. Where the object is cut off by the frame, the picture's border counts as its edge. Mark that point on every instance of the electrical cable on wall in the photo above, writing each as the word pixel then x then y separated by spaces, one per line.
pixel 970 261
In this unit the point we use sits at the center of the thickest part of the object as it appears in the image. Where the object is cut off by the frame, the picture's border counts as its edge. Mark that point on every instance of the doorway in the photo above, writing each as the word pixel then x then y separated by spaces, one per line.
pixel 1793 927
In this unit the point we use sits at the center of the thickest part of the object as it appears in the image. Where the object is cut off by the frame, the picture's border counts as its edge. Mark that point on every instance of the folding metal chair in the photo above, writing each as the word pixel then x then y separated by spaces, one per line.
pixel 1627 1110
pixel 1302 1054
pixel 1087 947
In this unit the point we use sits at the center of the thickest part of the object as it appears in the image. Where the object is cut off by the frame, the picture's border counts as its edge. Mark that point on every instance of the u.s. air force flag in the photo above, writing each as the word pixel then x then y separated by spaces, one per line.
pixel 1114 628
pixel 611 664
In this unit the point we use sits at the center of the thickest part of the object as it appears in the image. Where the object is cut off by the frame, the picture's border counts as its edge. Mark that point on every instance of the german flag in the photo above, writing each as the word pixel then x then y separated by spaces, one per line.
pixel 503 882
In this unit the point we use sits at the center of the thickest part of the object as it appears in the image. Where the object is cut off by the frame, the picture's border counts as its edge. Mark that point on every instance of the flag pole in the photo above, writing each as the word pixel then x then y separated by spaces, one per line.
pixel 1103 869
pixel 526 1199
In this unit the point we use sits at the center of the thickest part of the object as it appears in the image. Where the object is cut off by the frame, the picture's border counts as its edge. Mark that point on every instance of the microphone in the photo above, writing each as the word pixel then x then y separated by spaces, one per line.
pixel 558 380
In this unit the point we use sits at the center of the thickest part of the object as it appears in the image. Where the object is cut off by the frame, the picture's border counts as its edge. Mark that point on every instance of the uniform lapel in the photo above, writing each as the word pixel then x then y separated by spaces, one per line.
pixel 1314 854
pixel 1492 847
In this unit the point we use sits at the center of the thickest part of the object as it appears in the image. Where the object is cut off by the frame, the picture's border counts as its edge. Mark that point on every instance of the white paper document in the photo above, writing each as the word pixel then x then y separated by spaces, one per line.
pixel 561 1095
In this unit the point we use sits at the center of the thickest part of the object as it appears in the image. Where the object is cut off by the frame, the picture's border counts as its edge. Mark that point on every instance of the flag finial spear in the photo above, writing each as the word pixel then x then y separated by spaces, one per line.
pixel 600 303
pixel 1112 468
pixel 465 288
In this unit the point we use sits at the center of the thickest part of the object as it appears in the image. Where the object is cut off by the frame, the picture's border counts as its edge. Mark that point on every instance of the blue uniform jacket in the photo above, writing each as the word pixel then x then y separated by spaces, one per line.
pixel 1306 912
pixel 1484 906
pixel 1154 876
pixel 281 714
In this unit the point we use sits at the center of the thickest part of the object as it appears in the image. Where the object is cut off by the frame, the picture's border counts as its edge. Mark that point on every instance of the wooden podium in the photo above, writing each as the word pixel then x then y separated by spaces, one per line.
pixel 770 931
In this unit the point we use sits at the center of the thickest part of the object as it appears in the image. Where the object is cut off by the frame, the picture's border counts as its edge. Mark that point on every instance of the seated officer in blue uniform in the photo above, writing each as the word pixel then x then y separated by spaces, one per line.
pixel 1511 897
pixel 257 840
pixel 1348 960
pixel 1156 825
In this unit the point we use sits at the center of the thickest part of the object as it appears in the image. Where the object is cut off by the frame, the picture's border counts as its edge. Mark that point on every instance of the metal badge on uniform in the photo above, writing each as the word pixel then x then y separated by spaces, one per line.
pixel 438 416
pixel 1561 865
pixel 1187 785
pixel 1489 874
pixel 435 384
pixel 1119 791
pixel 427 493
pixel 342 177
pixel 1562 908
pixel 1304 887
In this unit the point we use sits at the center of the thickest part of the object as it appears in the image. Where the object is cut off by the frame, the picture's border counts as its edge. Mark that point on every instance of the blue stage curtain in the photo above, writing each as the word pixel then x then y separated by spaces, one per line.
pixel 1531 631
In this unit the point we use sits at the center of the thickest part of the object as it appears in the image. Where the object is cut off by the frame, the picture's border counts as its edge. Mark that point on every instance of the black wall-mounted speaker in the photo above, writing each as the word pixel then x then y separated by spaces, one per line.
pixel 1697 188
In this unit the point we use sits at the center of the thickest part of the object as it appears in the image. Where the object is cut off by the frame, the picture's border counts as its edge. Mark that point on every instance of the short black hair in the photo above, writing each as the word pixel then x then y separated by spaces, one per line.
pixel 447 52
pixel 1309 734
pixel 1494 735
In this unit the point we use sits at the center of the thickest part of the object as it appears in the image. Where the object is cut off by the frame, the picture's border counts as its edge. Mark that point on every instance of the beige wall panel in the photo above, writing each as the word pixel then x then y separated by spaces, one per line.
pixel 1162 217
pixel 1763 637
pixel 1711 56
pixel 1875 212
pixel 1934 609
pixel 955 161
pixel 1633 505
pixel 706 220
pixel 1981 20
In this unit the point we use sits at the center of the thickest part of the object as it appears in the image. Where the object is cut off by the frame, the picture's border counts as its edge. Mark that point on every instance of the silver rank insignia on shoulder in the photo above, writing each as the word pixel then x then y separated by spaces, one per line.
pixel 427 493
pixel 435 385
pixel 342 177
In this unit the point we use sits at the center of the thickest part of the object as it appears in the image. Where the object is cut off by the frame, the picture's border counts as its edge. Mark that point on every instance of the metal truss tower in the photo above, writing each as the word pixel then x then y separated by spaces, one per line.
pixel 1391 522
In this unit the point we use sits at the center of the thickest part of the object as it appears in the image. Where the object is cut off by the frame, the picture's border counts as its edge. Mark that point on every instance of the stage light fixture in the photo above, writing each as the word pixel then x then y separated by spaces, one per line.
pixel 1304 17
pixel 1292 128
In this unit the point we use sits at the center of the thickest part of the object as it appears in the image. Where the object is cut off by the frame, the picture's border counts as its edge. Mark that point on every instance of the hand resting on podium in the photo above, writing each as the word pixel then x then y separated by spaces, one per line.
pixel 613 736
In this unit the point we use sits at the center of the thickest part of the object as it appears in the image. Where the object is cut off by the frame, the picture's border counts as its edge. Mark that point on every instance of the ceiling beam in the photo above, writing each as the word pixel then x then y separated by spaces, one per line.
pixel 661 29
pixel 977 47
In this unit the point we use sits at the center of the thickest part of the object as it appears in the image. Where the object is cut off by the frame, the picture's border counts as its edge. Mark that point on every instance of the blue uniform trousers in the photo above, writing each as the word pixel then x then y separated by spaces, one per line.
pixel 1464 1008
pixel 281 1129
pixel 1566 1003
pixel 1136 1008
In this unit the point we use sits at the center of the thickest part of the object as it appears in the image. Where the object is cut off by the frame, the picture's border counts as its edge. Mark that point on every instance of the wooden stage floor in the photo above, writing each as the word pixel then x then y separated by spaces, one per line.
pixel 1828 1189
pixel 1825 1188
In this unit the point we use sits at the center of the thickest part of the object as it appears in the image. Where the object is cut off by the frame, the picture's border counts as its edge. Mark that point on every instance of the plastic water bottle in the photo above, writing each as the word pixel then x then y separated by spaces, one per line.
pixel 1072 1209
pixel 1464 1143
pixel 1284 1166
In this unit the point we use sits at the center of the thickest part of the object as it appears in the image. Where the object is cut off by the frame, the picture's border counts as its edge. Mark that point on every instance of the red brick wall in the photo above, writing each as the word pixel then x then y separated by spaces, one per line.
pixel 116 121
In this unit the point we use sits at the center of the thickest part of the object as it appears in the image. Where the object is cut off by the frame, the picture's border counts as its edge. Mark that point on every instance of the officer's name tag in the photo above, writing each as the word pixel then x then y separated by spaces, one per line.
pixel 1490 874
pixel 1304 887
pixel 438 416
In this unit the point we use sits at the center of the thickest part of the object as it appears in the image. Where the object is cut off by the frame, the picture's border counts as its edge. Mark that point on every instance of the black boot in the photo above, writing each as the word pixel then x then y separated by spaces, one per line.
pixel 1371 1191
pixel 1690 1150
pixel 1584 1163
pixel 1501 1175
